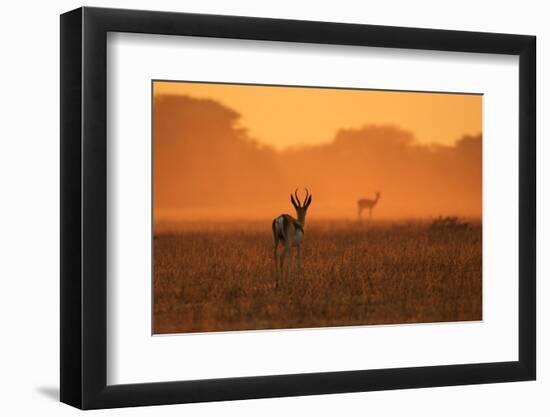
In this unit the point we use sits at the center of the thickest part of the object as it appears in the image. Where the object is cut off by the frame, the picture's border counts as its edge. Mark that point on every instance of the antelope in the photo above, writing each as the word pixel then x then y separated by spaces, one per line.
pixel 449 222
pixel 290 232
pixel 367 203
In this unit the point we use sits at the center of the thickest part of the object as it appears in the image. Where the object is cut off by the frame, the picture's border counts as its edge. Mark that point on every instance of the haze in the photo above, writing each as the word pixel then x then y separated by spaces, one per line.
pixel 236 152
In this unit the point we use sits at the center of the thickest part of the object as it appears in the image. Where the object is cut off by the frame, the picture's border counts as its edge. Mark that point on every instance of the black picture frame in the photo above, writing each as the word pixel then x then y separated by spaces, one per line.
pixel 84 207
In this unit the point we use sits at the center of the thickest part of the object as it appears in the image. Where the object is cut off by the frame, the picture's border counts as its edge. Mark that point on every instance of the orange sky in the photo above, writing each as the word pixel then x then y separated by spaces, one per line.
pixel 277 116
pixel 359 142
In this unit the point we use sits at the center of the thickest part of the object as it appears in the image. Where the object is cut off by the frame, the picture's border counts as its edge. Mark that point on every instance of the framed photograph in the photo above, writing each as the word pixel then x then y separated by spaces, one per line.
pixel 257 208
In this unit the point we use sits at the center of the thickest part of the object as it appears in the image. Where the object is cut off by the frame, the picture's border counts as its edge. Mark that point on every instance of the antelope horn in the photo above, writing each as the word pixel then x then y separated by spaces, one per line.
pixel 307 201
pixel 296 196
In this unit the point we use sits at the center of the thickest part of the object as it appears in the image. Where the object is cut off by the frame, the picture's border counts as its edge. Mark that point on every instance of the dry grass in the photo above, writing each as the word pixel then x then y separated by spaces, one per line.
pixel 218 277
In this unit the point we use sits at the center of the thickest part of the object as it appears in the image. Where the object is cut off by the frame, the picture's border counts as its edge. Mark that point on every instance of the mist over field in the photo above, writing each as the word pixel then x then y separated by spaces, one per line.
pixel 217 189
pixel 206 166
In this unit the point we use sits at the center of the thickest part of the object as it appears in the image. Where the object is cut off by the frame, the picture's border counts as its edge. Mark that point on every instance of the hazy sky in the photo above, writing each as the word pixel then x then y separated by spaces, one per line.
pixel 284 116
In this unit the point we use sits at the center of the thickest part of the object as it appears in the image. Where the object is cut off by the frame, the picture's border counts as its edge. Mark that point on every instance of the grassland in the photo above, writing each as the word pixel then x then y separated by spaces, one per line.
pixel 218 277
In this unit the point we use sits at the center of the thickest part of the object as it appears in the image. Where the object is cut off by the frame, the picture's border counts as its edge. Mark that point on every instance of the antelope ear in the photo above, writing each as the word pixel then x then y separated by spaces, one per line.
pixel 308 202
pixel 293 201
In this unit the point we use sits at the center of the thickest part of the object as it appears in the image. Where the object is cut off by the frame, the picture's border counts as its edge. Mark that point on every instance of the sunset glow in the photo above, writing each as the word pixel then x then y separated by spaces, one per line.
pixel 384 225
pixel 283 117
pixel 235 151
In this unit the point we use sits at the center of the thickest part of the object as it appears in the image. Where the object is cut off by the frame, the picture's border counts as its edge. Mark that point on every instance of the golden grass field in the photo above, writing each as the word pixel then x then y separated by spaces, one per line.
pixel 219 277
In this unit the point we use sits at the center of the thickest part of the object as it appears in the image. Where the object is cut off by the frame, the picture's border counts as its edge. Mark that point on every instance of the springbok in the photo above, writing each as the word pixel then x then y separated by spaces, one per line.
pixel 290 232
pixel 367 203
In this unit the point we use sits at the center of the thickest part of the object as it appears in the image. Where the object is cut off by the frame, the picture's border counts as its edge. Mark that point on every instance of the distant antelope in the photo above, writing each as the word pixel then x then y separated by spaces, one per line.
pixel 290 232
pixel 367 203
pixel 450 223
